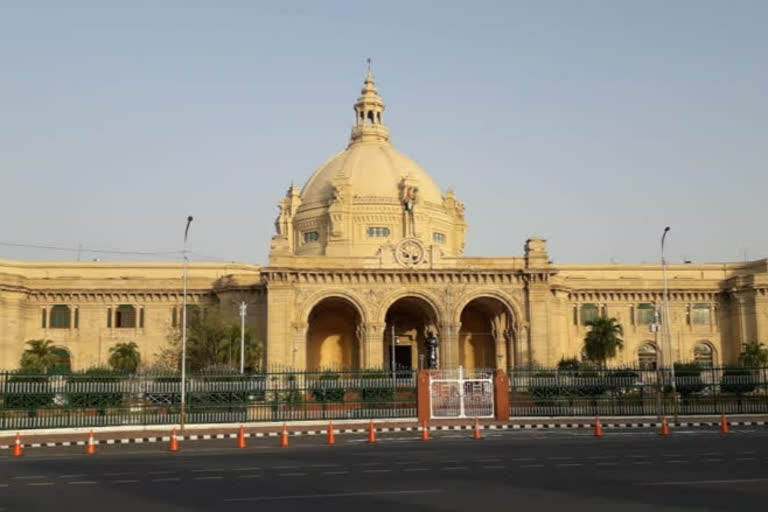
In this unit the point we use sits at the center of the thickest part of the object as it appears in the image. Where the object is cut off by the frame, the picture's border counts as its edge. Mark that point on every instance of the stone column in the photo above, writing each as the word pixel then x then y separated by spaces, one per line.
pixel 448 352
pixel 373 345
pixel 298 351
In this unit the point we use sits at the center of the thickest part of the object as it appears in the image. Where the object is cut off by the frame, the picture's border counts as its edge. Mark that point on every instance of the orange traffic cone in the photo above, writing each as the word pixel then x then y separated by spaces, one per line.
pixel 371 433
pixel 90 448
pixel 477 434
pixel 17 448
pixel 598 427
pixel 664 426
pixel 241 437
pixel 174 446
pixel 331 433
pixel 723 424
pixel 425 431
pixel 284 436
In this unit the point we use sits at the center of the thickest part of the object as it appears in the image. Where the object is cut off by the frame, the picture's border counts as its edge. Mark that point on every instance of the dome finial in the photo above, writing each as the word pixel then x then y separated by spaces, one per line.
pixel 368 112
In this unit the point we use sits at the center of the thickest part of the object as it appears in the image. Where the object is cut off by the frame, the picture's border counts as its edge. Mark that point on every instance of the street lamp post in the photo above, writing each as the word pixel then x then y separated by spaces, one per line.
pixel 666 328
pixel 243 309
pixel 184 331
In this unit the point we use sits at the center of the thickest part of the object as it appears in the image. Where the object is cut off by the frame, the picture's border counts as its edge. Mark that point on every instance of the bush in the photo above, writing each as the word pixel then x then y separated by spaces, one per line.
pixel 21 398
pixel 376 392
pixel 687 379
pixel 96 388
pixel 326 388
pixel 737 380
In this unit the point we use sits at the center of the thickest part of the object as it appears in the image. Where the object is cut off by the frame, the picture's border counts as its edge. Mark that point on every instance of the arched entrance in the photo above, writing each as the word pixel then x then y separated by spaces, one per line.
pixel 485 337
pixel 332 335
pixel 408 322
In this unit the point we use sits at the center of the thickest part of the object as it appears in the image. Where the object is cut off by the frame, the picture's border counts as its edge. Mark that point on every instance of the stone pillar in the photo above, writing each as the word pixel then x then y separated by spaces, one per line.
pixel 449 346
pixel 538 327
pixel 373 345
pixel 501 396
pixel 279 311
pixel 299 346
pixel 422 396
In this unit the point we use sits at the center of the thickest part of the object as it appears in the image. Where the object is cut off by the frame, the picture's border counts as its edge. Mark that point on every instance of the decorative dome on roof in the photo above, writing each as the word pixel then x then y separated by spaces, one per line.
pixel 368 198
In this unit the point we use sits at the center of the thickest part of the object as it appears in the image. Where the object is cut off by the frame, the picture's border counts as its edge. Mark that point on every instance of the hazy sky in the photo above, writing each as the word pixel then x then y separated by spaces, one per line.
pixel 590 123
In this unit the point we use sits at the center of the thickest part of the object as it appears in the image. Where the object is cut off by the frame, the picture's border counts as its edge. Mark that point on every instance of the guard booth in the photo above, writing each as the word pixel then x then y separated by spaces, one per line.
pixel 460 393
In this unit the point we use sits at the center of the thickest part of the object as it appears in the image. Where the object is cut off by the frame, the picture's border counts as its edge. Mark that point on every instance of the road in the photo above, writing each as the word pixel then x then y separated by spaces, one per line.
pixel 510 470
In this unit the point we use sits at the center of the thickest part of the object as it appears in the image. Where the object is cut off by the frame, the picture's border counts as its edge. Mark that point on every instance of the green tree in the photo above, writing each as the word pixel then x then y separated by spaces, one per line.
pixel 39 357
pixel 124 357
pixel 754 355
pixel 211 341
pixel 603 340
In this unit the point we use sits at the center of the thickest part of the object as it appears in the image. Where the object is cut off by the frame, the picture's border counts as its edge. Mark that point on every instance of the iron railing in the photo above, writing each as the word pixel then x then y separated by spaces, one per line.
pixel 638 392
pixel 77 400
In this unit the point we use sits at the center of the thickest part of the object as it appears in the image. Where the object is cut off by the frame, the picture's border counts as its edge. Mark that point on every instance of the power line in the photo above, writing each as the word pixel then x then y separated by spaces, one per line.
pixel 82 249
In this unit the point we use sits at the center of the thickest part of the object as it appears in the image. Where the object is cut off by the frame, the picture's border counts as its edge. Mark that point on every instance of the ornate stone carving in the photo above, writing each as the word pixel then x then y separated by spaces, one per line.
pixel 410 252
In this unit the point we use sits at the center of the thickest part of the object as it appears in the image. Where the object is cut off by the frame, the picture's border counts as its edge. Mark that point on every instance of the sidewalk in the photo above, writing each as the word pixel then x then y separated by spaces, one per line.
pixel 155 433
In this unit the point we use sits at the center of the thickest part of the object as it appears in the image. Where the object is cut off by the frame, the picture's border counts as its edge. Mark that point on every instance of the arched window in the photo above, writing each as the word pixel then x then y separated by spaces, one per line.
pixel 59 317
pixel 645 314
pixel 647 356
pixel 63 362
pixel 703 354
pixel 588 312
pixel 125 316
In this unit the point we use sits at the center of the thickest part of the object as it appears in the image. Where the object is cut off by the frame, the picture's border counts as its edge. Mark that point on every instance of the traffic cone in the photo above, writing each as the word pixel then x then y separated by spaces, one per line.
pixel 90 448
pixel 371 433
pixel 17 449
pixel 241 437
pixel 331 433
pixel 664 426
pixel 174 446
pixel 425 431
pixel 598 427
pixel 723 424
pixel 284 436
pixel 477 434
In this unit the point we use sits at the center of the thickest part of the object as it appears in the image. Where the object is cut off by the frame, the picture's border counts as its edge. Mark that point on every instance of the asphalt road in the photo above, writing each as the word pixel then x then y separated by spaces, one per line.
pixel 691 470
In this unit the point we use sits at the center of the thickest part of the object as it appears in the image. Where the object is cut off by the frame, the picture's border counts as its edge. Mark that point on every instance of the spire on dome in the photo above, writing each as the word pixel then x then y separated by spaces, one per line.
pixel 368 111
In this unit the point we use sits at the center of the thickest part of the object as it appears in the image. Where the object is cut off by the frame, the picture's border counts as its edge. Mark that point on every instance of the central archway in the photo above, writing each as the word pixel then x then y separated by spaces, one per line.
pixel 408 322
pixel 485 334
pixel 332 335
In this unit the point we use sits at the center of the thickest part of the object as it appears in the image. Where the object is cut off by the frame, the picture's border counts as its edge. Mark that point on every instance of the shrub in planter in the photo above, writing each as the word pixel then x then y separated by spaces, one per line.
pixel 376 392
pixel 327 389
pixel 96 388
pixel 29 391
pixel 544 386
pixel 687 379
pixel 737 380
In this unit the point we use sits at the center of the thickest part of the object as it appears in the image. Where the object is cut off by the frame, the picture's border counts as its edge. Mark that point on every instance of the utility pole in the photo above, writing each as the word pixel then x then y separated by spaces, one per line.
pixel 184 331
pixel 243 309
pixel 666 328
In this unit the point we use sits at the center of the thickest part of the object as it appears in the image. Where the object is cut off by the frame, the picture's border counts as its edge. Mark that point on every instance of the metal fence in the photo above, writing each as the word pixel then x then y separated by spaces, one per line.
pixel 638 392
pixel 42 401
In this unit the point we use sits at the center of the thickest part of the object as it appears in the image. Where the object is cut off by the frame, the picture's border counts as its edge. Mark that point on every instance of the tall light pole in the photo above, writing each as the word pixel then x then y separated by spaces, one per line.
pixel 666 328
pixel 184 331
pixel 243 309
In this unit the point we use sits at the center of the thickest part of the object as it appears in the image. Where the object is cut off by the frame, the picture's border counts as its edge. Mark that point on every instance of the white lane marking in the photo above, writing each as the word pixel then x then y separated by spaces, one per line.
pixel 643 462
pixel 206 470
pixel 377 471
pixel 250 476
pixel 521 459
pixel 405 462
pixel 454 468
pixel 161 472
pixel 569 465
pixel 370 464
pixel 38 484
pixel 415 469
pixel 606 463
pixel 3 485
pixel 494 467
pixel 602 457
pixel 124 481
pixel 489 460
pixel 335 472
pixel 116 474
pixel 713 460
pixel 36 477
pixel 335 495
pixel 252 468
pixel 72 476
pixel 712 454
pixel 324 465
pixel 559 458
pixel 532 466
pixel 637 456
pixel 209 477
pixel 746 458
pixel 82 482
pixel 291 474
pixel 709 482
pixel 168 479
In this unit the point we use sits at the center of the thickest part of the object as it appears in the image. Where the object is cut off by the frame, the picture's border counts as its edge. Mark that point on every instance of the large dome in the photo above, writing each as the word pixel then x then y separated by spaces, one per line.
pixel 374 169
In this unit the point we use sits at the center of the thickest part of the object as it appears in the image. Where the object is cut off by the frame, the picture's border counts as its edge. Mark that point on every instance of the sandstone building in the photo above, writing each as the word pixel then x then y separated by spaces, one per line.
pixel 371 250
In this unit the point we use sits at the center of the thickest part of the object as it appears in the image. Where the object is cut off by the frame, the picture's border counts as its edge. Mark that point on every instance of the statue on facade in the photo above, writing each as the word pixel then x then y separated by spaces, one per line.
pixel 431 342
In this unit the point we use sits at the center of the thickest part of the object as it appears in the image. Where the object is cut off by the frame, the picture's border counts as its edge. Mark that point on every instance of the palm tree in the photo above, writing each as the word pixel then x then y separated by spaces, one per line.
pixel 40 357
pixel 125 357
pixel 754 355
pixel 603 339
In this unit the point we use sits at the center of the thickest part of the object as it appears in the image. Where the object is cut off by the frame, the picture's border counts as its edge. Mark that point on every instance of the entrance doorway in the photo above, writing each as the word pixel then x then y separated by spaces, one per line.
pixel 403 354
